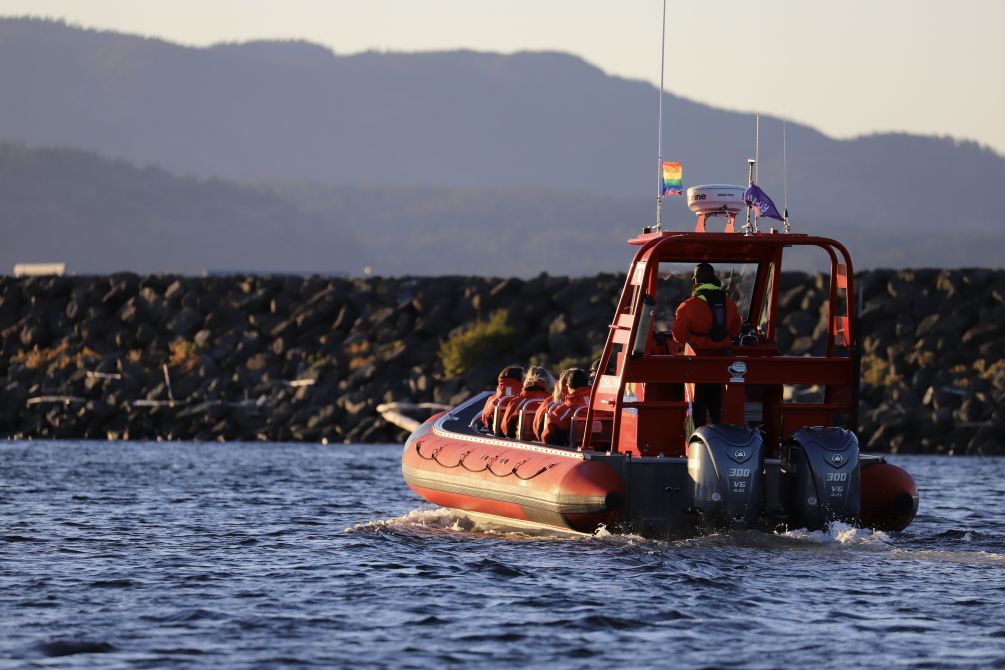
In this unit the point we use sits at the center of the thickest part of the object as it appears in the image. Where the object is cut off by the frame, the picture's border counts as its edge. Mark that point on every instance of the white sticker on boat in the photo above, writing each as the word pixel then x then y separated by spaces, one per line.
pixel 737 371
pixel 640 271
pixel 608 383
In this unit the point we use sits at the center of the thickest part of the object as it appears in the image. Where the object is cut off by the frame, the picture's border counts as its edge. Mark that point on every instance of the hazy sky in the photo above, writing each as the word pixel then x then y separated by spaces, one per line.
pixel 847 68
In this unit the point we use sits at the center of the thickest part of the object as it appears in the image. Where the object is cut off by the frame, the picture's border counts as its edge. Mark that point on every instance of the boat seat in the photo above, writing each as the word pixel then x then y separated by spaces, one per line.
pixel 601 429
pixel 525 424
pixel 497 417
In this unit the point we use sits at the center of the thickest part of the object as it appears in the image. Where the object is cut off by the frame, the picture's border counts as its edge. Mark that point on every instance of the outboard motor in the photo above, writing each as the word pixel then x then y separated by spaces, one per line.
pixel 820 477
pixel 726 464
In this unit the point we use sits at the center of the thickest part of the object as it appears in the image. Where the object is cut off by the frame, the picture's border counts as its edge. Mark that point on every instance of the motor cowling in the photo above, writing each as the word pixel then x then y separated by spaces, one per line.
pixel 726 464
pixel 820 480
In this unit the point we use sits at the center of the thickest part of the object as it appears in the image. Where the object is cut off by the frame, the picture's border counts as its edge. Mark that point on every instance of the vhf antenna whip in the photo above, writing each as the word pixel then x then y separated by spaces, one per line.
pixel 747 228
pixel 659 134
pixel 785 171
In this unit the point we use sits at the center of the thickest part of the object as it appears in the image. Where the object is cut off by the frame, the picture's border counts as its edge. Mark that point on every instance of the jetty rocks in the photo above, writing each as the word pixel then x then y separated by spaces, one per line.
pixel 281 358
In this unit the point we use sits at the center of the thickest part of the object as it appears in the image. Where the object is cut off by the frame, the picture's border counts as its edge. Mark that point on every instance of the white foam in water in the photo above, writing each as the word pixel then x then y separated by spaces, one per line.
pixel 841 533
pixel 844 534
pixel 616 538
pixel 837 533
pixel 976 558
pixel 439 518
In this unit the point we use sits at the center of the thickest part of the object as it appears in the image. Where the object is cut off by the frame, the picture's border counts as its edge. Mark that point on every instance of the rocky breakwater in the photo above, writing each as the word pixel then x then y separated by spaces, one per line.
pixel 268 357
pixel 933 361
pixel 309 358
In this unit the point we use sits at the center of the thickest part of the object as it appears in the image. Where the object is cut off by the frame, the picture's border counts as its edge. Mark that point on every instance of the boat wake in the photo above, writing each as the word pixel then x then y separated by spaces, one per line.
pixel 418 519
pixel 841 533
pixel 957 557
pixel 438 521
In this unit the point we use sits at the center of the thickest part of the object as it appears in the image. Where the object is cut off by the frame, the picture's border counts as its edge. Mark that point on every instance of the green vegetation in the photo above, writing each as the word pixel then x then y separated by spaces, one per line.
pixel 184 354
pixel 482 340
pixel 876 371
pixel 61 356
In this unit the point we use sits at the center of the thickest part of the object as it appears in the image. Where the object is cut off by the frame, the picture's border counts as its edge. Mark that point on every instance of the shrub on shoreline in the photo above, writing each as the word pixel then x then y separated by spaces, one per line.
pixel 483 340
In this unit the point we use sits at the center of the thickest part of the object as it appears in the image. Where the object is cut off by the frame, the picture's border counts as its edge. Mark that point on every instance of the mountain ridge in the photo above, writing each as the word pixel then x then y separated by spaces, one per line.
pixel 473 128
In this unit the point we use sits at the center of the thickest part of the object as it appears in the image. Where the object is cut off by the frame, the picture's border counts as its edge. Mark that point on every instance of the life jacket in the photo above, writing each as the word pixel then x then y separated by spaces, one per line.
pixel 715 298
pixel 559 418
pixel 506 390
pixel 512 415
pixel 694 321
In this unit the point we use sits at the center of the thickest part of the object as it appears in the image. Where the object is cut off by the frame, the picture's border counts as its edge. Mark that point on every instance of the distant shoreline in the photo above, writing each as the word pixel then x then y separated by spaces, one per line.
pixel 291 358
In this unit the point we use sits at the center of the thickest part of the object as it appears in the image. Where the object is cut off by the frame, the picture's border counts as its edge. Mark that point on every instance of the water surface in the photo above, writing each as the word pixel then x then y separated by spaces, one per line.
pixel 129 555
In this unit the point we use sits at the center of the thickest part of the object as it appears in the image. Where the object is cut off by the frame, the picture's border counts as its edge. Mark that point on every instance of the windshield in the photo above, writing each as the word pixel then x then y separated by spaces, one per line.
pixel 674 287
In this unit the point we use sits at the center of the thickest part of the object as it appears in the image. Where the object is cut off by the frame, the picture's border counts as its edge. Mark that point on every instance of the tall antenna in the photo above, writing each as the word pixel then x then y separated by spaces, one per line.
pixel 747 228
pixel 785 174
pixel 659 139
pixel 757 156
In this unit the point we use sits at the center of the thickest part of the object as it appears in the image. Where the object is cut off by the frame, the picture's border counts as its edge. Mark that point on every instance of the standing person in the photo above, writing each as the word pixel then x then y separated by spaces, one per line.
pixel 508 386
pixel 559 418
pixel 537 385
pixel 709 321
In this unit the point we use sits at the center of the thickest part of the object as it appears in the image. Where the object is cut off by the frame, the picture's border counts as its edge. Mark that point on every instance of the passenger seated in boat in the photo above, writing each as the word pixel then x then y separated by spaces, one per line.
pixel 556 424
pixel 509 384
pixel 537 386
pixel 709 321
pixel 557 395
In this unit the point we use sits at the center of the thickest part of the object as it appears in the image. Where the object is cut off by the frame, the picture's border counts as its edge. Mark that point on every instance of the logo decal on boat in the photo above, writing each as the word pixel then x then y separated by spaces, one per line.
pixel 837 459
pixel 737 370
pixel 739 454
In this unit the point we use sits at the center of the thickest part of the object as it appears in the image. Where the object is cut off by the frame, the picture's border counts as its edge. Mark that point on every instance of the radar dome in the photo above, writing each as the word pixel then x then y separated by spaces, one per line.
pixel 715 198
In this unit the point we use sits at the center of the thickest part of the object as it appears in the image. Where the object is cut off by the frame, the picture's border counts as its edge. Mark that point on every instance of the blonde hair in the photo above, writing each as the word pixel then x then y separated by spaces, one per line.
pixel 563 381
pixel 538 376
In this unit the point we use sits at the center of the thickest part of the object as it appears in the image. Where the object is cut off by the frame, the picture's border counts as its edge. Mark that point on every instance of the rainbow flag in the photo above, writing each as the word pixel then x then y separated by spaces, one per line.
pixel 672 178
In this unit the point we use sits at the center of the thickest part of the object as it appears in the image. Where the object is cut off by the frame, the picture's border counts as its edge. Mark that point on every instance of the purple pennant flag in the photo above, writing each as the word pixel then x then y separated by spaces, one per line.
pixel 759 200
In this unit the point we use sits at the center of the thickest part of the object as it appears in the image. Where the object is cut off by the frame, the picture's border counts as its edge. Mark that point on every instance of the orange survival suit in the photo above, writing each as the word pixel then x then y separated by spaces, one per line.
pixel 559 417
pixel 515 406
pixel 510 382
pixel 708 320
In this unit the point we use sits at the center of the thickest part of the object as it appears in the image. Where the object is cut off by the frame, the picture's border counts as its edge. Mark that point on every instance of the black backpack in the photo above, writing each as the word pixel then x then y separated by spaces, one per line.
pixel 716 300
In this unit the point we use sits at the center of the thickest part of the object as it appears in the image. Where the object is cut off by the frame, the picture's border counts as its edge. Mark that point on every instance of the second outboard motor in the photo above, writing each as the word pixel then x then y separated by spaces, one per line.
pixel 726 464
pixel 820 477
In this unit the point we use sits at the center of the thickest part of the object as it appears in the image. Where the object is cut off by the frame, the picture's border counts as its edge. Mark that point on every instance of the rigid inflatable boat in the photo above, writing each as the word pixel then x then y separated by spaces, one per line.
pixel 785 453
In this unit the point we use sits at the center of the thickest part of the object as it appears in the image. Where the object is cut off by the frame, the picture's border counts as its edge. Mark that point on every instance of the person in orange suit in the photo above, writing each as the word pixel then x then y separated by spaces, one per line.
pixel 559 418
pixel 561 388
pixel 510 380
pixel 537 385
pixel 709 320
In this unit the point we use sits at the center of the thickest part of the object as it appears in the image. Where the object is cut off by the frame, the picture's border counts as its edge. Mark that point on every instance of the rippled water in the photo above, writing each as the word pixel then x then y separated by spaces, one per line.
pixel 241 555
